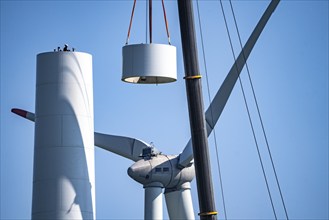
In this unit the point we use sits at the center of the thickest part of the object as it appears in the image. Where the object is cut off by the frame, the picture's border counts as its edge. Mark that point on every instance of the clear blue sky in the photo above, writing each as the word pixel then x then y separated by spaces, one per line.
pixel 289 68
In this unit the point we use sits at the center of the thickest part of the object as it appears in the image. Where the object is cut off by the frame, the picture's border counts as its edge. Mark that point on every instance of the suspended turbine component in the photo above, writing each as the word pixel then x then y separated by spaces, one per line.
pixel 173 173
pixel 149 63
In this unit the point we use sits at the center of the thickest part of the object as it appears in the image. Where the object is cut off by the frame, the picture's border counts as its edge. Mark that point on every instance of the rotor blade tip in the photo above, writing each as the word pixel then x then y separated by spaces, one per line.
pixel 19 112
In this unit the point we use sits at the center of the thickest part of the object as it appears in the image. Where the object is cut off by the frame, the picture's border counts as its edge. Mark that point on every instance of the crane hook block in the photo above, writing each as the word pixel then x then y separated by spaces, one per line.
pixel 149 63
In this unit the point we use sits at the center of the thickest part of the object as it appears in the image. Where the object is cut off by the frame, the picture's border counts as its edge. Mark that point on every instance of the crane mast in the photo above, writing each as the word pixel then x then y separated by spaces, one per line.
pixel 196 111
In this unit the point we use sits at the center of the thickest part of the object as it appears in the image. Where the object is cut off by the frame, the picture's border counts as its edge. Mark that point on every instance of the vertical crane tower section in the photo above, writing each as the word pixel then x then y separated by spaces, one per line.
pixel 64 172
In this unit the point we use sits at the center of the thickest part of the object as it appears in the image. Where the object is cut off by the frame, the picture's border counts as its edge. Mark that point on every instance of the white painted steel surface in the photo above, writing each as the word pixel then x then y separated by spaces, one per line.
pixel 153 202
pixel 149 63
pixel 179 203
pixel 64 175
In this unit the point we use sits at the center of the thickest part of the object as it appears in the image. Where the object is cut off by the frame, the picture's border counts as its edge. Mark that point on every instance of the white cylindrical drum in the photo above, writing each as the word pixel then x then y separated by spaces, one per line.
pixel 64 175
pixel 149 63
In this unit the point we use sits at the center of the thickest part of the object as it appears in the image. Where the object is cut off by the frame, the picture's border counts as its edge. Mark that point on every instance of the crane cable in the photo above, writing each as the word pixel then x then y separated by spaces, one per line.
pixel 131 21
pixel 166 22
pixel 258 111
pixel 146 19
pixel 149 18
pixel 211 112
pixel 249 116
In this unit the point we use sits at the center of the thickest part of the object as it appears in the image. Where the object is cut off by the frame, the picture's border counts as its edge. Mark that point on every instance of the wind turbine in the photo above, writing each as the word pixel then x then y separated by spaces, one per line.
pixel 173 173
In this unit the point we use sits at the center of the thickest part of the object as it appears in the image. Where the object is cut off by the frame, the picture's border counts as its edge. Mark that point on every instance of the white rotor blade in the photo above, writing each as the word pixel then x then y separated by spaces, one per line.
pixel 217 105
pixel 153 202
pixel 179 203
pixel 124 146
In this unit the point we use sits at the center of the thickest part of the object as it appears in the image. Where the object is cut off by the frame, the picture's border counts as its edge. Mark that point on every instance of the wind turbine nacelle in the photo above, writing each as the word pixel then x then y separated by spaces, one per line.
pixel 161 169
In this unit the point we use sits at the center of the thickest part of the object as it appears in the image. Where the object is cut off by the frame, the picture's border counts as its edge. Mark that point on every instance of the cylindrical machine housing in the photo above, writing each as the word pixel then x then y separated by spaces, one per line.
pixel 64 176
pixel 149 63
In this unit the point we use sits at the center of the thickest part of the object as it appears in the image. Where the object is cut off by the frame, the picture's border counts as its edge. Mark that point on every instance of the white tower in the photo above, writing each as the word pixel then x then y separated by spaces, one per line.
pixel 64 175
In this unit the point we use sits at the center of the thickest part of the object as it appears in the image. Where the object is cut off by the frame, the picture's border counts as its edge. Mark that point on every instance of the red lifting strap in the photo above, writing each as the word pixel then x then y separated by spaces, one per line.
pixel 165 18
pixel 150 21
pixel 131 21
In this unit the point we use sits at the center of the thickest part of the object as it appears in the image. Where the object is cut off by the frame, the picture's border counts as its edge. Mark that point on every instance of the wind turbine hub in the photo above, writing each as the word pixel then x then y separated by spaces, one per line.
pixel 161 169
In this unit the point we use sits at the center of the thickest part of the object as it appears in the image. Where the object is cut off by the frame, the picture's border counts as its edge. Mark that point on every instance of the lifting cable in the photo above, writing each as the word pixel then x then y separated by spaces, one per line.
pixel 146 19
pixel 258 111
pixel 249 116
pixel 165 19
pixel 212 118
pixel 149 18
pixel 131 21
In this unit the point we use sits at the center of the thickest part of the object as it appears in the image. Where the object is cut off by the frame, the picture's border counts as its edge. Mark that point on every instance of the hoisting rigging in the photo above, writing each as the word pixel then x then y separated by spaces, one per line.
pixel 149 18
pixel 149 63
pixel 259 115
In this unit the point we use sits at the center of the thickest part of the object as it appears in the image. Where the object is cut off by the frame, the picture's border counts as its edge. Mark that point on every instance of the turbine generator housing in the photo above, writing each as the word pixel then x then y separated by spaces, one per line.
pixel 64 176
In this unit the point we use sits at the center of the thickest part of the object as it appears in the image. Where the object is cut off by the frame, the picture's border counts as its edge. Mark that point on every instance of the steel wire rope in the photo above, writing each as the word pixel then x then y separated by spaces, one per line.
pixel 258 111
pixel 146 19
pixel 150 20
pixel 249 116
pixel 211 112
